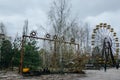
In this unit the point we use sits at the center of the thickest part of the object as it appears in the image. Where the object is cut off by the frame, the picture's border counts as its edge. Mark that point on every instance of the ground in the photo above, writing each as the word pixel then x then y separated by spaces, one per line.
pixel 110 74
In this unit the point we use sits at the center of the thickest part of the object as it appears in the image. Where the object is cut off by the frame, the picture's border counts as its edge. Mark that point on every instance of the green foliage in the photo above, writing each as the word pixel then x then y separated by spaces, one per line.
pixel 16 52
pixel 16 57
pixel 6 53
pixel 31 55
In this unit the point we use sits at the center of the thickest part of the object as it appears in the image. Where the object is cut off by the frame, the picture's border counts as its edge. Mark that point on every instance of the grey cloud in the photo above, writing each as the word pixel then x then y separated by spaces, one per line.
pixel 94 7
pixel 20 6
pixel 82 7
pixel 14 12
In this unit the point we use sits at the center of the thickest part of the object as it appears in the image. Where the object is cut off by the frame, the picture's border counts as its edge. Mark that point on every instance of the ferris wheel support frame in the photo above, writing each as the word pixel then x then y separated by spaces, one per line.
pixel 105 54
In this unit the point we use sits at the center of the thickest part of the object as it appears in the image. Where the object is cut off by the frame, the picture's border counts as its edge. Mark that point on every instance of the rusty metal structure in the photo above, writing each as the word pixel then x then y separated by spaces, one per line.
pixel 47 37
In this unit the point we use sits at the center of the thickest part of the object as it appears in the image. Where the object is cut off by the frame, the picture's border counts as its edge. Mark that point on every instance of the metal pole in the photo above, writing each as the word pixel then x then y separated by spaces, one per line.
pixel 78 48
pixel 61 58
pixel 21 56
pixel 55 62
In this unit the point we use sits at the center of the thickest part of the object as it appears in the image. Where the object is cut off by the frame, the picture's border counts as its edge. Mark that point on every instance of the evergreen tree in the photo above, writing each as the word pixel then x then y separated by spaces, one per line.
pixel 6 53
pixel 31 55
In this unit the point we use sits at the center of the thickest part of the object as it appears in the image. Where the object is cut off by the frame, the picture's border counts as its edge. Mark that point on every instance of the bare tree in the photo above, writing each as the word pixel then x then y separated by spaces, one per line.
pixel 2 29
pixel 58 16
pixel 25 27
pixel 59 19
pixel 86 38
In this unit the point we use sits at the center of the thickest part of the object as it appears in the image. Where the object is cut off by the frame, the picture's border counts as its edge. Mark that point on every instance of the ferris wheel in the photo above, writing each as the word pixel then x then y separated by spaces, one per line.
pixel 104 33
pixel 105 43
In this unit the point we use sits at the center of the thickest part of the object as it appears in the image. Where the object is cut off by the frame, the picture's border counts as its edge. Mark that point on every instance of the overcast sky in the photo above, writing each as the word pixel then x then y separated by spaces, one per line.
pixel 14 12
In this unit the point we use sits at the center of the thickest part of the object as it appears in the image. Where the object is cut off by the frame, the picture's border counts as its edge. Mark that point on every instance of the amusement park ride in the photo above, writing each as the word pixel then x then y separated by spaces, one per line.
pixel 106 43
pixel 55 39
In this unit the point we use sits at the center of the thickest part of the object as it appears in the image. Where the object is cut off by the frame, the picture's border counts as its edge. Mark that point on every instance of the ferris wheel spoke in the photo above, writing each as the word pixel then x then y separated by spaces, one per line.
pixel 104 30
pixel 99 36
pixel 99 45
pixel 113 48
pixel 113 51
pixel 99 40
pixel 99 33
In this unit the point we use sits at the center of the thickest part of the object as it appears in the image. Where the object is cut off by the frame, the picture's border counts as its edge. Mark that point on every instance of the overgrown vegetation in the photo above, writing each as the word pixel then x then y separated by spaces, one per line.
pixel 65 56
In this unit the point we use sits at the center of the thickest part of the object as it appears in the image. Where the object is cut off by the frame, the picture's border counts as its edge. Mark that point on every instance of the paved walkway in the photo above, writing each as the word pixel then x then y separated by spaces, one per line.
pixel 110 74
